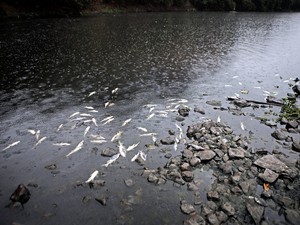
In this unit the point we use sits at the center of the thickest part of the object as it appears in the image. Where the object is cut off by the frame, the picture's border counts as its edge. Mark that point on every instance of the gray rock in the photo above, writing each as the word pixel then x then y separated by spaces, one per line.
pixel 241 103
pixel 214 103
pixel 222 217
pixel 283 121
pixel 279 135
pixel 168 155
pixel 228 209
pixel 198 110
pixel 292 216
pixel 179 118
pixel 271 123
pixel 187 208
pixel 296 89
pixel 188 154
pixel 213 219
pixel 271 162
pixel 108 152
pixel 167 141
pixel 184 111
pixel 102 200
pixel 194 220
pixel 213 195
pixel 185 166
pixel 256 211
pixel 188 176
pixel 236 153
pixel 284 201
pixel 292 124
pixel 296 146
pixel 195 161
pixel 268 176
pixel 267 193
pixel 51 167
pixel 152 178
pixel 206 155
pixel 86 199
pixel 128 182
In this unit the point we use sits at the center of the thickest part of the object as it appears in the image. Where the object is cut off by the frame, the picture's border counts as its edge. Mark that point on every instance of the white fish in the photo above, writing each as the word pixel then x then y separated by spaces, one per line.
pixel 79 118
pixel 61 144
pixel 240 83
pixel 78 147
pixel 286 81
pixel 59 127
pixel 183 101
pixel 31 131
pixel 178 127
pixel 126 121
pixel 234 77
pixel 115 90
pixel 89 107
pixel 92 93
pixel 86 130
pixel 37 135
pixel 135 157
pixel 116 136
pixel 122 149
pixel 40 141
pixel 106 104
pixel 131 147
pixel 172 100
pixel 143 155
pixel 95 122
pixel 93 111
pixel 98 141
pixel 86 115
pixel 150 105
pixel 267 92
pixel 111 104
pixel 111 160
pixel 175 146
pixel 257 87
pixel 242 126
pixel 147 134
pixel 150 116
pixel 107 118
pixel 87 121
pixel 228 85
pixel 154 138
pixel 74 114
pixel 92 176
pixel 99 137
pixel 151 109
pixel 218 119
pixel 108 121
pixel 11 145
pixel 142 129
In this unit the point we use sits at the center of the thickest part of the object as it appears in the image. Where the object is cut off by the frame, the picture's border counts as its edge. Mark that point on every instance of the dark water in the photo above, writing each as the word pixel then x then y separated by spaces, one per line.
pixel 49 68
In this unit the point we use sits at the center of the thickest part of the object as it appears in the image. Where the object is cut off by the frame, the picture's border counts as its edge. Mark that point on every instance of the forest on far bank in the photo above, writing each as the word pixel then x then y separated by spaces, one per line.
pixel 76 6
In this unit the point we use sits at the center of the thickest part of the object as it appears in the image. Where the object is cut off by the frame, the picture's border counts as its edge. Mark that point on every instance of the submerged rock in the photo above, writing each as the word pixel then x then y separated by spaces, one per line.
pixel 296 146
pixel 279 135
pixel 108 152
pixel 167 141
pixel 184 111
pixel 187 208
pixel 241 103
pixel 214 103
pixel 268 176
pixel 195 220
pixel 21 195
pixel 206 155
pixel 256 211
pixel 271 162
pixel 292 216
pixel 236 153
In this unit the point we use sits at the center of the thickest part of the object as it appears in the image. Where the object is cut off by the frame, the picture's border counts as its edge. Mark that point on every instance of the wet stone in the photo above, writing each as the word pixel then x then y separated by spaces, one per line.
pixel 86 199
pixel 271 162
pixel 187 208
pixel 195 161
pixel 206 155
pixel 102 200
pixel 214 103
pixel 152 178
pixel 213 219
pixel 213 195
pixel 188 176
pixel 228 209
pixel 222 217
pixel 168 155
pixel 292 124
pixel 267 193
pixel 244 186
pixel 268 176
pixel 236 153
pixel 271 123
pixel 167 141
pixel 108 152
pixel 97 184
pixel 192 187
pixel 296 146
pixel 198 110
pixel 279 135
pixel 256 211
pixel 179 118
pixel 51 167
pixel 187 154
pixel 241 103
pixel 292 216
pixel 128 182
pixel 184 111
pixel 195 220
pixel 185 167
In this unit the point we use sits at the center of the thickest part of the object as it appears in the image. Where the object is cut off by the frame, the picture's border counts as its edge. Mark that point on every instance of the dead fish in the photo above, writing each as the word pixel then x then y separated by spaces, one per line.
pixel 92 93
pixel 92 176
pixel 98 141
pixel 93 111
pixel 108 121
pixel 234 77
pixel 154 139
pixel 31 131
pixel 257 87
pixel 131 147
pixel 40 141
pixel 59 127
pixel 89 107
pixel 143 155
pixel 142 129
pixel 87 121
pixel 79 118
pixel 126 121
pixel 116 136
pixel 86 130
pixel 218 119
pixel 240 83
pixel 11 145
pixel 183 101
pixel 115 90
pixel 37 135
pixel 150 105
pixel 74 114
pixel 99 137
pixel 147 134
pixel 267 92
pixel 78 147
pixel 175 146
pixel 151 109
pixel 228 85
pixel 86 115
pixel 111 160
pixel 21 194
pixel 107 118
pixel 150 116
pixel 242 126
pixel 106 104
pixel 61 144
pixel 95 122
pixel 122 149
pixel 244 92
pixel 135 157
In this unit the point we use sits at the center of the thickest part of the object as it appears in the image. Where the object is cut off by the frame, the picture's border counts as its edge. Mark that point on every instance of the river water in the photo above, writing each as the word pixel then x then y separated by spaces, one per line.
pixel 52 68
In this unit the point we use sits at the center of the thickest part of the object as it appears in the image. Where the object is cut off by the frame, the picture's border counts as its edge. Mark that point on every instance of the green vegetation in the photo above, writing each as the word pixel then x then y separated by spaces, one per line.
pixel 290 110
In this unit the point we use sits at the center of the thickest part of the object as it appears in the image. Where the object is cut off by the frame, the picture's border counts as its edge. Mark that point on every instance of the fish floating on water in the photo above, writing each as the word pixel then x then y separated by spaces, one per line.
pixel 89 107
pixel 99 137
pixel 116 136
pixel 31 131
pixel 115 90
pixel 92 93
pixel 86 130
pixel 111 160
pixel 141 154
pixel 108 121
pixel 107 118
pixel 142 129
pixel 74 114
pixel 95 122
pixel 148 134
pixel 92 176
pixel 78 147
pixel 98 141
pixel 40 141
pixel 122 149
pixel 242 126
pixel 11 145
pixel 37 135
pixel 150 116
pixel 131 147
pixel 126 121
pixel 218 119
pixel 86 115
pixel 59 127
pixel 61 144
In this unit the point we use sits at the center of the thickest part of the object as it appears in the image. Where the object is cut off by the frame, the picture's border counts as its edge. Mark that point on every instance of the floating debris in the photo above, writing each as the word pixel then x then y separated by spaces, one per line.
pixel 111 160
pixel 92 176
pixel 126 121
pixel 11 145
pixel 78 147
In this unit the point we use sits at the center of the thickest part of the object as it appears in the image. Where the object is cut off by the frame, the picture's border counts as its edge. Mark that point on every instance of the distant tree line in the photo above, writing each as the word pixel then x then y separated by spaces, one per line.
pixel 202 5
